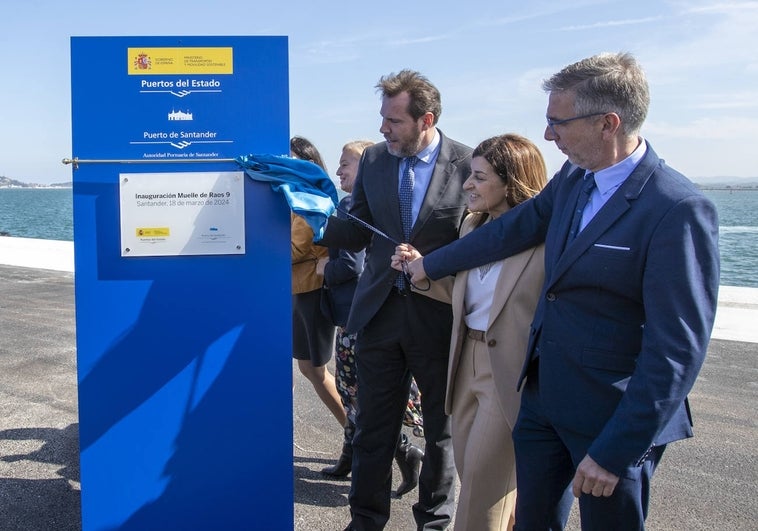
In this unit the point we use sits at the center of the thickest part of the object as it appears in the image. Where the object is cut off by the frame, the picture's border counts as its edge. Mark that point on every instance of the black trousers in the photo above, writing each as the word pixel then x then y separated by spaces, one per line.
pixel 409 336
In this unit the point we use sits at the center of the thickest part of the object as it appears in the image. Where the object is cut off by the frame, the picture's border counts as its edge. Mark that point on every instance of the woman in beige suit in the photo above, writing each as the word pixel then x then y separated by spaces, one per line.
pixel 493 307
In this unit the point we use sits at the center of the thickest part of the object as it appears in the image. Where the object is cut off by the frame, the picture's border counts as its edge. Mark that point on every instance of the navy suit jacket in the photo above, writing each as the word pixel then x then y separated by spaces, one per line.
pixel 375 200
pixel 626 311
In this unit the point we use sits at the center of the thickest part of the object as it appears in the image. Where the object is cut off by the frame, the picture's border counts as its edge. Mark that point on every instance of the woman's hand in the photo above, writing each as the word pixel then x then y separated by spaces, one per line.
pixel 416 270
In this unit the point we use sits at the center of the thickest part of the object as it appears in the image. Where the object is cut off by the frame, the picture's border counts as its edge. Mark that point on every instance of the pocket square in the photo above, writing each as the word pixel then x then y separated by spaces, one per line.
pixel 616 247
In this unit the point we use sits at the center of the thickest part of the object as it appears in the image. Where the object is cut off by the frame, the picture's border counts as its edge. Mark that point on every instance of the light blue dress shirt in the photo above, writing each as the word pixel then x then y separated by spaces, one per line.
pixel 422 172
pixel 608 180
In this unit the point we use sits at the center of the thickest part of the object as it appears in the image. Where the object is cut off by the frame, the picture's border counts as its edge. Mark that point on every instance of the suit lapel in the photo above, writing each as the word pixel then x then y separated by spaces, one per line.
pixel 461 278
pixel 391 220
pixel 608 214
pixel 459 290
pixel 616 206
pixel 443 169
pixel 506 281
pixel 575 183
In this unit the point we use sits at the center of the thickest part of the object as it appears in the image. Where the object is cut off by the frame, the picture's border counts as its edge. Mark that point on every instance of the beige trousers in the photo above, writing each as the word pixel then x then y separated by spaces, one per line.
pixel 482 446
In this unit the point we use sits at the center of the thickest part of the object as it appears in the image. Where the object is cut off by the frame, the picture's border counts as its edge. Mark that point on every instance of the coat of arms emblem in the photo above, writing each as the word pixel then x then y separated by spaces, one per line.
pixel 142 62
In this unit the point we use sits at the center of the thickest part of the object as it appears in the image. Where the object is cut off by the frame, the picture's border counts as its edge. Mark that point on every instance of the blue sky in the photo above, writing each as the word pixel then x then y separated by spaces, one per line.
pixel 488 59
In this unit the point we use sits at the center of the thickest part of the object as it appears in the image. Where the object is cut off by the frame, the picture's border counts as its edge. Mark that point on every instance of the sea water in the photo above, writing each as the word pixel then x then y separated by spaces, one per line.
pixel 46 213
pixel 738 235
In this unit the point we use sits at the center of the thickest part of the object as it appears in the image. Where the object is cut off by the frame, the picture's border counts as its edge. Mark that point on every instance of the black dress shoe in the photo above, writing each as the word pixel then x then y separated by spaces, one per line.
pixel 408 458
pixel 343 465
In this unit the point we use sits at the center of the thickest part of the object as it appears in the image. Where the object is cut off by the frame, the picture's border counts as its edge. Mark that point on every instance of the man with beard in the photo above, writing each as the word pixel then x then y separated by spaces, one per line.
pixel 410 189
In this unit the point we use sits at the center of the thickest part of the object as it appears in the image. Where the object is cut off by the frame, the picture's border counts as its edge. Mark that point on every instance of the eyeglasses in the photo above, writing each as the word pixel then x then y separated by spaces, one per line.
pixel 552 123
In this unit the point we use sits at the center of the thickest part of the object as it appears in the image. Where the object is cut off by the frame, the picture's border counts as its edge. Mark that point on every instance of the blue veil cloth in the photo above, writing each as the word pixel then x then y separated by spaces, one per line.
pixel 309 191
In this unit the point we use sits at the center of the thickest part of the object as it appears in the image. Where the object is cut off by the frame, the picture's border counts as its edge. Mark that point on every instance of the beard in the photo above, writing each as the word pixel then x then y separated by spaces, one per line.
pixel 406 147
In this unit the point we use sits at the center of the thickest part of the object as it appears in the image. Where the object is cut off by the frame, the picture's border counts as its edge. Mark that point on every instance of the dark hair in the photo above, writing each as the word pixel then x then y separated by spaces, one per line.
pixel 518 162
pixel 424 97
pixel 303 149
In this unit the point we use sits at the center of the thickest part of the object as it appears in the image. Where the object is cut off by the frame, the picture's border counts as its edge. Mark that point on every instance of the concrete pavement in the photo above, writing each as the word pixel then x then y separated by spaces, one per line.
pixel 709 482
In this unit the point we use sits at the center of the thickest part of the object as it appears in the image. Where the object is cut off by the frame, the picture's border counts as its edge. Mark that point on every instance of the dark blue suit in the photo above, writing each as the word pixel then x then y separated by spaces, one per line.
pixel 618 337
pixel 400 336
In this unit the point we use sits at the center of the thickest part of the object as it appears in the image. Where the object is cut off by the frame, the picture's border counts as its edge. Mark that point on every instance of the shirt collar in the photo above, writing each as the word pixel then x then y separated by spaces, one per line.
pixel 610 178
pixel 426 154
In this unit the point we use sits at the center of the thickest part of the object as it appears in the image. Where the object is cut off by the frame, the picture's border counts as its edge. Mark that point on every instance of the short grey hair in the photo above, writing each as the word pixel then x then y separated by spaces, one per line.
pixel 607 82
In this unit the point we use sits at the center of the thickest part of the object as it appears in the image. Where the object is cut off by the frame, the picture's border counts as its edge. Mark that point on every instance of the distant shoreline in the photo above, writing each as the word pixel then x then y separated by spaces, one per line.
pixel 38 187
pixel 728 188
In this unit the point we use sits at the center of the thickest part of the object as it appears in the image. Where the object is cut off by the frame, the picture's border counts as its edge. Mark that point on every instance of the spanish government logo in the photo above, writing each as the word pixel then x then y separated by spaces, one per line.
pixel 142 62
pixel 157 61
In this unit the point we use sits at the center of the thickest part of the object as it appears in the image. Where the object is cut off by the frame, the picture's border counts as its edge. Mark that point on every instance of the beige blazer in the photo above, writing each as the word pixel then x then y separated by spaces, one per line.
pixel 514 301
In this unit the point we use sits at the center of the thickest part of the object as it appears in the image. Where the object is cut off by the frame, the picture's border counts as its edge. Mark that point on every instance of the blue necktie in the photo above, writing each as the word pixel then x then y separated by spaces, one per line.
pixel 584 195
pixel 405 195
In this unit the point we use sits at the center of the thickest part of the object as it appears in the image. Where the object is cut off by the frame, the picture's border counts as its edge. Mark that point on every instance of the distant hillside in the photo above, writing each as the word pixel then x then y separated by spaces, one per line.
pixel 6 182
